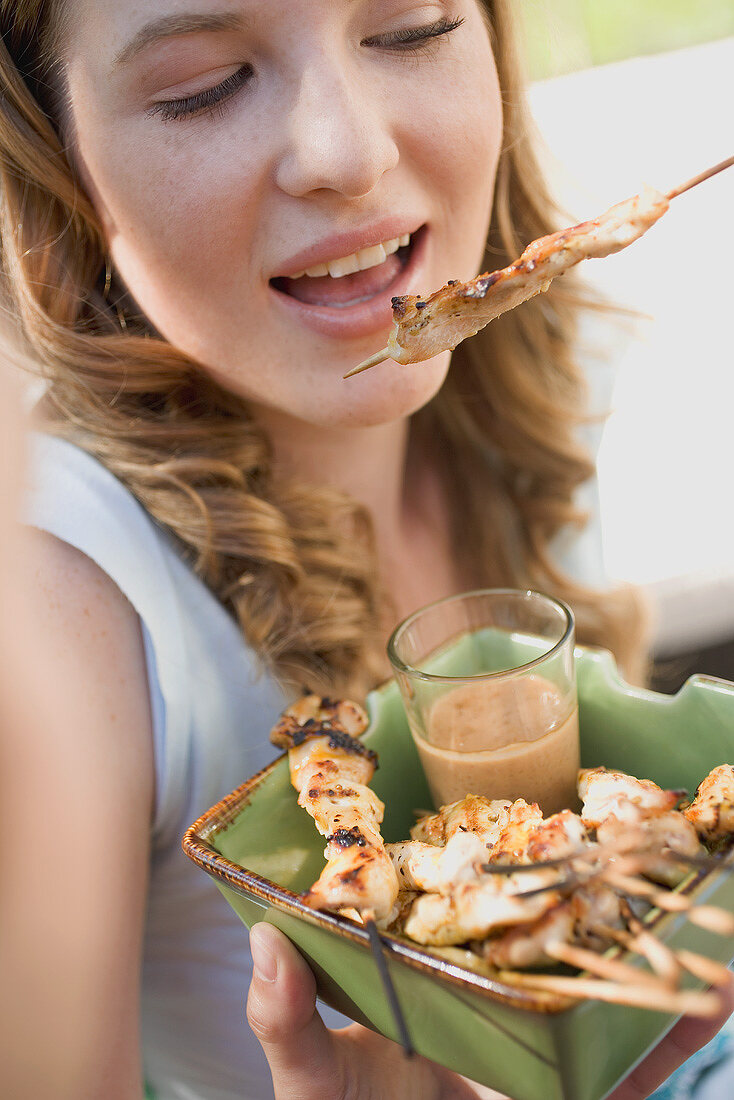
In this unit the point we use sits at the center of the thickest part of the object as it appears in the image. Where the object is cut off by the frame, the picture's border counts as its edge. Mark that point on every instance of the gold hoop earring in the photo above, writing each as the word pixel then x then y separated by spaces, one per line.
pixel 106 295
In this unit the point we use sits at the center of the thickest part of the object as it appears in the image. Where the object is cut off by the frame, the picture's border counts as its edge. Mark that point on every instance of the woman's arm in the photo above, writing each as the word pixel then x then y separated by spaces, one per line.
pixel 77 793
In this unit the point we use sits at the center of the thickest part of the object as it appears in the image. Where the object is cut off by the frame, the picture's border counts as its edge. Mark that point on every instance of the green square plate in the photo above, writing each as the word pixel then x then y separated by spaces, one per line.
pixel 263 849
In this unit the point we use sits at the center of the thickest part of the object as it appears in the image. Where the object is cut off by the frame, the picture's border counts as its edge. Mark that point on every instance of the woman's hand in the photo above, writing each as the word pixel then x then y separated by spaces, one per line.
pixel 309 1062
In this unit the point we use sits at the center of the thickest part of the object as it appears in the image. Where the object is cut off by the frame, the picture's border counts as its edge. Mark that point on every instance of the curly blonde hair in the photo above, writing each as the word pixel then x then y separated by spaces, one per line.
pixel 296 565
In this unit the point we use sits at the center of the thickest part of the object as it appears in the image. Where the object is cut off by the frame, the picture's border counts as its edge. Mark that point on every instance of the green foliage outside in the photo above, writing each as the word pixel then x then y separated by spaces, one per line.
pixel 564 35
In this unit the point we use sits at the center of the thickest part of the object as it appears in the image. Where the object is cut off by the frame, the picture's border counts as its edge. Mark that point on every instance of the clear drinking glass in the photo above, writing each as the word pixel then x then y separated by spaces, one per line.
pixel 488 681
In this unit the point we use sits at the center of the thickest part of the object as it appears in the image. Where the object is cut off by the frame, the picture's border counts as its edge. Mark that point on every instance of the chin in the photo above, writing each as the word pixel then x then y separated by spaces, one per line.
pixel 385 393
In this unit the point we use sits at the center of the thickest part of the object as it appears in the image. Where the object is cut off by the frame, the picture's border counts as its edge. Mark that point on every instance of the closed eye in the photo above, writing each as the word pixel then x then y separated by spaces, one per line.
pixel 208 100
pixel 413 38
pixel 404 40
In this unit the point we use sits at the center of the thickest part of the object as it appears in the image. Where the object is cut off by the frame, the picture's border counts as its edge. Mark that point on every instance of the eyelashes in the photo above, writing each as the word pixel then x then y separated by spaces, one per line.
pixel 412 38
pixel 170 109
pixel 407 40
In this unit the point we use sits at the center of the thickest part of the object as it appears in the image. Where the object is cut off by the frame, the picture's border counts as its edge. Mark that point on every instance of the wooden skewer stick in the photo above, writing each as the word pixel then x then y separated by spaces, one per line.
pixel 376 946
pixel 660 957
pixel 658 953
pixel 666 963
pixel 708 970
pixel 712 919
pixel 688 1003
pixel 382 355
pixel 701 863
pixel 695 180
pixel 613 969
pixel 709 917
pixel 378 357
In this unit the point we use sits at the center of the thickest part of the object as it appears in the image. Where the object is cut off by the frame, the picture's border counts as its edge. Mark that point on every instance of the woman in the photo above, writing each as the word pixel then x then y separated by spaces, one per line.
pixel 204 216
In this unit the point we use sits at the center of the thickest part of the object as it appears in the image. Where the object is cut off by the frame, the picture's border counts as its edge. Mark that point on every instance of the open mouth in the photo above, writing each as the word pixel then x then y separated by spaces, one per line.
pixel 349 280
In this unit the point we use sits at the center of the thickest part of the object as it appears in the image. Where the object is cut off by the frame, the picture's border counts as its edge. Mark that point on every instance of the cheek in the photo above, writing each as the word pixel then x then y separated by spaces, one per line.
pixel 458 146
pixel 177 214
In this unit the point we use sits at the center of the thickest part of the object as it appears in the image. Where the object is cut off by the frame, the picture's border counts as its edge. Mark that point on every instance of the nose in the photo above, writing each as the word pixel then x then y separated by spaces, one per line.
pixel 337 136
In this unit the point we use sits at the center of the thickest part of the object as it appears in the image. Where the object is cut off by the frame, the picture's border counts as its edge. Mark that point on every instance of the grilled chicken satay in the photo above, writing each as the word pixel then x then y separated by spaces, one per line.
pixel 437 870
pixel 614 803
pixel 712 810
pixel 475 909
pixel 424 327
pixel 330 768
pixel 604 792
pixel 511 846
pixel 525 838
pixel 473 814
pixel 577 920
pixel 559 836
pixel 666 834
pixel 503 826
pixel 525 946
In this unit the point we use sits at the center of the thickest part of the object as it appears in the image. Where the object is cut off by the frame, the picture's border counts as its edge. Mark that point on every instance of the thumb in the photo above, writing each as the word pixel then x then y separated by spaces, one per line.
pixel 281 1010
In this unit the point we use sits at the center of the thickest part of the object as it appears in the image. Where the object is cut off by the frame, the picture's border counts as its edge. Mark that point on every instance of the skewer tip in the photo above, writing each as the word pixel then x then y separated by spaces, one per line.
pixel 378 357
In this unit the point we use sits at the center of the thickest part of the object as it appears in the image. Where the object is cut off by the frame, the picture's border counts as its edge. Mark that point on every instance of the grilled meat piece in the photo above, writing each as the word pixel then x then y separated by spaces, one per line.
pixel 712 810
pixel 425 327
pixel 330 770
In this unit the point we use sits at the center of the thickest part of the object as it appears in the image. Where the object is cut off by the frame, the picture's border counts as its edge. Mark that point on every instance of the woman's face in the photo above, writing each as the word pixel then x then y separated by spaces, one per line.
pixel 231 147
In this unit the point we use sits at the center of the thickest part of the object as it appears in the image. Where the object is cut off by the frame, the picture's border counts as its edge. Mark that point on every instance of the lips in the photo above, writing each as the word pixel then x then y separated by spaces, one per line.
pixel 352 306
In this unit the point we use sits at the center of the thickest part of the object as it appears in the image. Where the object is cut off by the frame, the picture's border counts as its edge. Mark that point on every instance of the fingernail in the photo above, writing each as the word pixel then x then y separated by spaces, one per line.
pixel 264 962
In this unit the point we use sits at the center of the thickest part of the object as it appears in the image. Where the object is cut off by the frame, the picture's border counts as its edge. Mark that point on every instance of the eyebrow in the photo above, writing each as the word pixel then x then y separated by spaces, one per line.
pixel 170 26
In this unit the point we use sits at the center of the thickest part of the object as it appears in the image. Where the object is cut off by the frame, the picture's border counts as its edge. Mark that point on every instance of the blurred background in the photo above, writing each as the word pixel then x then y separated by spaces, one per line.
pixel 628 93
pixel 563 36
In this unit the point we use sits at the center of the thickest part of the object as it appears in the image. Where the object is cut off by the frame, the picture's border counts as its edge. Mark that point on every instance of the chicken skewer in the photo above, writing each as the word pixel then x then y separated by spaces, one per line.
pixel 635 826
pixel 546 941
pixel 586 918
pixel 473 813
pixel 517 837
pixel 330 769
pixel 558 934
pixel 426 327
pixel 526 915
pixel 475 909
pixel 614 801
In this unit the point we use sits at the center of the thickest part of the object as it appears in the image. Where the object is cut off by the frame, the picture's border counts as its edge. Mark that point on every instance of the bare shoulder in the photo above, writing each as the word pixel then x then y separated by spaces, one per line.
pixel 90 644
pixel 73 586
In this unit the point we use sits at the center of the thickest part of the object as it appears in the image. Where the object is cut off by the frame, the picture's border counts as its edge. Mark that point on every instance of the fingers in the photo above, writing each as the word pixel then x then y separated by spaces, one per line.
pixel 688 1036
pixel 281 1009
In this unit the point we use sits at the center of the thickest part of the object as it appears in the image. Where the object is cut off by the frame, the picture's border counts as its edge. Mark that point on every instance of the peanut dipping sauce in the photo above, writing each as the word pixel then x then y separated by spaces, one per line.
pixel 506 738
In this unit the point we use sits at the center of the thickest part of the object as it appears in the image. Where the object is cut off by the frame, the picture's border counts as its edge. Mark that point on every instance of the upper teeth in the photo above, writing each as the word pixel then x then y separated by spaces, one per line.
pixel 357 261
